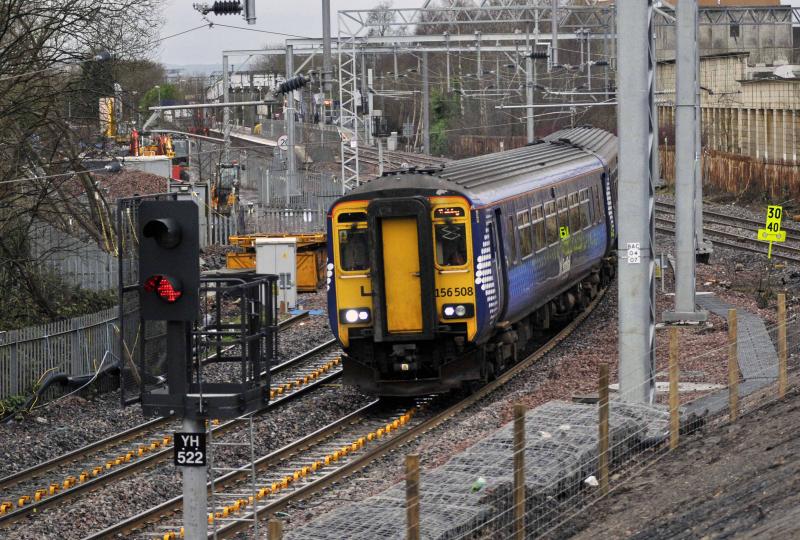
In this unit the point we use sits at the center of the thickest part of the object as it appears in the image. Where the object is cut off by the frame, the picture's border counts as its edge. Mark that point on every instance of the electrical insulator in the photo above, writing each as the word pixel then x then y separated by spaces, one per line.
pixel 291 84
pixel 226 7
pixel 538 55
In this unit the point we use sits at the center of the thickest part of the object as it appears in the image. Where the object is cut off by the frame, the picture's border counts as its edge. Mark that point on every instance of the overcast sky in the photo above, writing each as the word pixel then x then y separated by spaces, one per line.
pixel 204 46
pixel 301 17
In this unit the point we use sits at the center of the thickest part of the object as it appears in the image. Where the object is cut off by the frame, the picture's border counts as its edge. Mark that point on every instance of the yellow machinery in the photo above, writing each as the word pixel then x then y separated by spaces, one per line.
pixel 311 254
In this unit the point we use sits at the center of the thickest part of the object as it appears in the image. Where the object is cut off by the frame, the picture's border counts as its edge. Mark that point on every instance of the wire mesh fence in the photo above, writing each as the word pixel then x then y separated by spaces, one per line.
pixel 571 457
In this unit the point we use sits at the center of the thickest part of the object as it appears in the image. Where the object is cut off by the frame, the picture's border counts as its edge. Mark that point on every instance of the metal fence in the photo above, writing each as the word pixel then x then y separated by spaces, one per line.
pixel 76 261
pixel 74 346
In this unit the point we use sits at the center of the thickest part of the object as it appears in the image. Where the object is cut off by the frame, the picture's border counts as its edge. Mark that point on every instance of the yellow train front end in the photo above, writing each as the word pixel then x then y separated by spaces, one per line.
pixel 402 300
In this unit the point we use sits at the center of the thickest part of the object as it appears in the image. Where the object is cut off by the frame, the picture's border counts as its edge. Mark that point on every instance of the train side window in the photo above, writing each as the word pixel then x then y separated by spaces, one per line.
pixel 563 213
pixel 550 223
pixel 537 216
pixel 451 244
pixel 512 246
pixel 354 249
pixel 525 238
pixel 598 199
pixel 574 214
pixel 584 208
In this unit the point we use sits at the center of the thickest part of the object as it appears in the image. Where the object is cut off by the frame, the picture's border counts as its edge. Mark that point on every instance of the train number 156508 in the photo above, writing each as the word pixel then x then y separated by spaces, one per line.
pixel 442 292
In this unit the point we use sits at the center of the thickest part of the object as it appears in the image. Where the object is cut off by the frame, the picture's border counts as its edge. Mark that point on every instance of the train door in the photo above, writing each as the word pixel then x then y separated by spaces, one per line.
pixel 401 275
pixel 402 280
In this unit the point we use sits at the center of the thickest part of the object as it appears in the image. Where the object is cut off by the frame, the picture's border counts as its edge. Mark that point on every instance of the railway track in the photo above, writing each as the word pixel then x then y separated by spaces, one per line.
pixel 316 461
pixel 147 444
pixel 396 160
pixel 744 240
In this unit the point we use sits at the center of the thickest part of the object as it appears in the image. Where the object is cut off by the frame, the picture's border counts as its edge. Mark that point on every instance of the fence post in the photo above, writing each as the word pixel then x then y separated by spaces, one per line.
pixel 603 429
pixel 782 382
pixel 15 388
pixel 275 531
pixel 733 366
pixel 674 401
pixel 412 497
pixel 519 472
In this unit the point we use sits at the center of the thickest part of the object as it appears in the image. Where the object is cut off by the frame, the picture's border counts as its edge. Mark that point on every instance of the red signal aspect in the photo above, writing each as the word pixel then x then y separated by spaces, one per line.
pixel 165 287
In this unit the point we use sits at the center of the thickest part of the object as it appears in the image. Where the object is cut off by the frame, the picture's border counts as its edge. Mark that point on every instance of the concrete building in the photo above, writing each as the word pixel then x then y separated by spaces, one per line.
pixel 744 111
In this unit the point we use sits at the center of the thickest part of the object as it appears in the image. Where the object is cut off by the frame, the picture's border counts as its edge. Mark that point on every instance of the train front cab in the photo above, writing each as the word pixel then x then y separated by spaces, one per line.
pixel 405 298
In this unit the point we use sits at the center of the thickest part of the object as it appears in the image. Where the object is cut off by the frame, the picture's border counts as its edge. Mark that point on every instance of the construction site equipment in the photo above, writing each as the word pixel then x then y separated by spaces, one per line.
pixel 225 189
pixel 310 258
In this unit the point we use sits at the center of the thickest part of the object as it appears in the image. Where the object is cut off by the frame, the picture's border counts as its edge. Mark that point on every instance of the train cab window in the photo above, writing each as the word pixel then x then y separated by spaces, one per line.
pixel 451 244
pixel 550 223
pixel 583 197
pixel 525 238
pixel 354 249
pixel 539 241
pixel 512 242
pixel 352 217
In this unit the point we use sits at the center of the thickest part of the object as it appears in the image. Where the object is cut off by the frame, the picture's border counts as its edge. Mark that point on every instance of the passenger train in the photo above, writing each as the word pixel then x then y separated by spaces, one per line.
pixel 438 277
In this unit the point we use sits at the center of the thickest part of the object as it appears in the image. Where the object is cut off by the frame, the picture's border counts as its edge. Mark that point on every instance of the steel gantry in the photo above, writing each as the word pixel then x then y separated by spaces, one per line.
pixel 355 38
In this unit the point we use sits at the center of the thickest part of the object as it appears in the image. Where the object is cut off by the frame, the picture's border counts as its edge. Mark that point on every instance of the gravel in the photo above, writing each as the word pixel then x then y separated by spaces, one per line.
pixel 74 421
pixel 571 368
pixel 741 279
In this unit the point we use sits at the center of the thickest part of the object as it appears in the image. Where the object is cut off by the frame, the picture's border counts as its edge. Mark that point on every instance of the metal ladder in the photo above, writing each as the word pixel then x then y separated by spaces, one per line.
pixel 213 472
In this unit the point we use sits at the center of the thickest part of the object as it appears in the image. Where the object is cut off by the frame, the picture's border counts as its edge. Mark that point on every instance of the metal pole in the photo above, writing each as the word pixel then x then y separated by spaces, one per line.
pixel 370 104
pixel 226 112
pixel 635 201
pixel 426 126
pixel 195 505
pixel 703 247
pixel 554 28
pixel 588 61
pixel 447 60
pixel 289 118
pixel 364 93
pixel 394 52
pixel 327 70
pixel 685 120
pixel 529 97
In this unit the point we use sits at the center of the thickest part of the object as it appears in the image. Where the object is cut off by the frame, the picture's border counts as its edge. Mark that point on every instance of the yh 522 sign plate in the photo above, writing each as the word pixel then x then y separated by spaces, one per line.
pixel 190 449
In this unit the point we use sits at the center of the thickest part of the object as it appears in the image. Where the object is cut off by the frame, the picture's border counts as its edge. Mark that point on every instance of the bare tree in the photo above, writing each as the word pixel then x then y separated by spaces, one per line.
pixel 56 61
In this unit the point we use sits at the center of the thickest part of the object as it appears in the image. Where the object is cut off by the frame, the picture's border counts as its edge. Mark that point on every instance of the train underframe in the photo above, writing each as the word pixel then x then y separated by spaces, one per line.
pixel 448 362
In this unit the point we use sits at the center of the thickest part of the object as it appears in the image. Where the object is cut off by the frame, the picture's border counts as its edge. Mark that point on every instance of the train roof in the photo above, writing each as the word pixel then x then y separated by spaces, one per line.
pixel 492 177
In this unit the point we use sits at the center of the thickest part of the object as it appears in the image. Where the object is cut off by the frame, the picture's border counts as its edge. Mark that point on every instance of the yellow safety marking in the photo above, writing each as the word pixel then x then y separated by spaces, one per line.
pixel 306 470
pixel 54 489
pixel 5 506
pixel 772 230
pixel 39 495
pixel 25 499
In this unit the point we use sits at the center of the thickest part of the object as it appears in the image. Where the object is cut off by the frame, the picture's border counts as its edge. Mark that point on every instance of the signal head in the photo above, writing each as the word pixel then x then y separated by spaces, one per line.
pixel 165 231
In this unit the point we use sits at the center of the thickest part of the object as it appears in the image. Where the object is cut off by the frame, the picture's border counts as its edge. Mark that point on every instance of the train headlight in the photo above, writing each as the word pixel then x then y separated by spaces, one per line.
pixel 355 315
pixel 458 311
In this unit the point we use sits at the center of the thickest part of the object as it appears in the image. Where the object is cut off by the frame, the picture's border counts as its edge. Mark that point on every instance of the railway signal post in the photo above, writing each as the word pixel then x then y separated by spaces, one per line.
pixel 173 295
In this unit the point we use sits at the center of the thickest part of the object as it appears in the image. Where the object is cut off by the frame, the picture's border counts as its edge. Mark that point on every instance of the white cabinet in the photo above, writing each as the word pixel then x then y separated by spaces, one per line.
pixel 277 256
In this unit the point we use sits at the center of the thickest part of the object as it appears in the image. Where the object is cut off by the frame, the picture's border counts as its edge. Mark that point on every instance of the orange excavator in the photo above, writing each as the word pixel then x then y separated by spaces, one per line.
pixel 225 188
